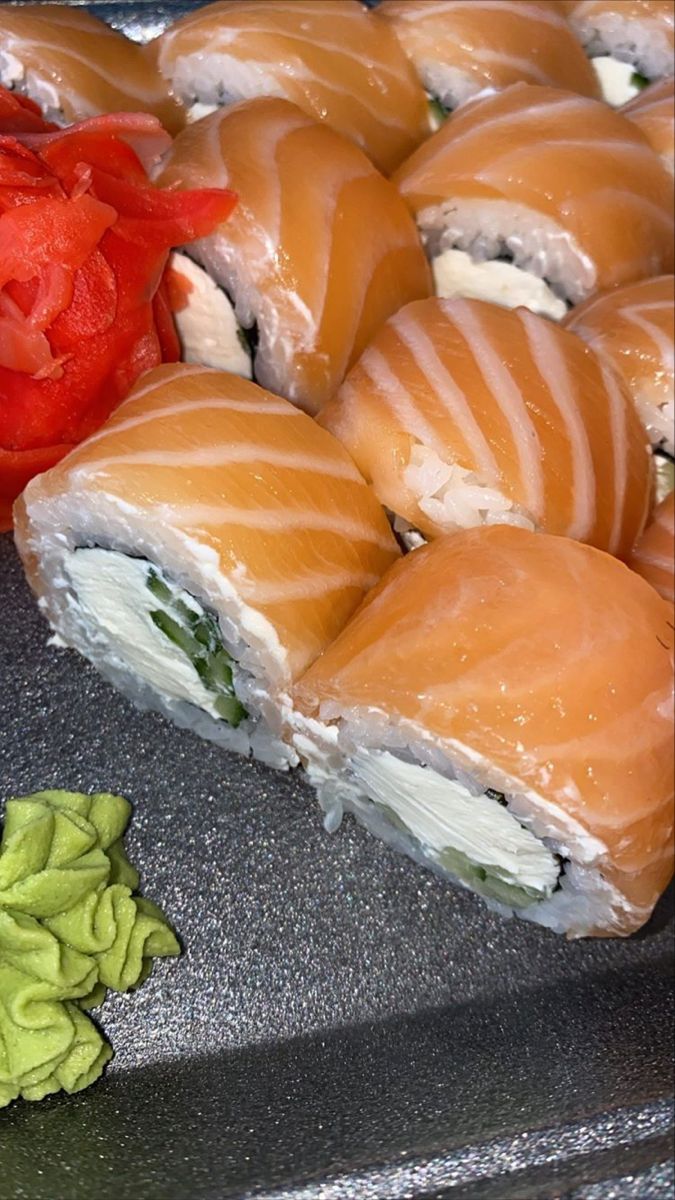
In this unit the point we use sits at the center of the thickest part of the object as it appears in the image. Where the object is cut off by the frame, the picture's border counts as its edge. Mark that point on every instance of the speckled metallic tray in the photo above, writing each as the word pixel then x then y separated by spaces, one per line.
pixel 341 1023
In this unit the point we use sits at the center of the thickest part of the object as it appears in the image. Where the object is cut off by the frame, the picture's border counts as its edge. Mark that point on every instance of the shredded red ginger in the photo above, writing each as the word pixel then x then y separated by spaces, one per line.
pixel 84 305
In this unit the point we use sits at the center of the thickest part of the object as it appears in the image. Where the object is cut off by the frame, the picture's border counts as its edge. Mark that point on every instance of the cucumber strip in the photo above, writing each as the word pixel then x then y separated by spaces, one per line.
pixel 639 81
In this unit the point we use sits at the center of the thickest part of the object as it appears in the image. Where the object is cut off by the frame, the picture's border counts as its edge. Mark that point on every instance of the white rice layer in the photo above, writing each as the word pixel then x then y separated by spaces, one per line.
pixel 64 523
pixel 15 77
pixel 641 43
pixel 488 230
pixel 332 748
pixel 453 498
pixel 216 78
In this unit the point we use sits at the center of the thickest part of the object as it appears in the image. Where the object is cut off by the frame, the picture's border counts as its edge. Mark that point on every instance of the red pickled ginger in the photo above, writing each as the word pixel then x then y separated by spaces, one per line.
pixel 84 309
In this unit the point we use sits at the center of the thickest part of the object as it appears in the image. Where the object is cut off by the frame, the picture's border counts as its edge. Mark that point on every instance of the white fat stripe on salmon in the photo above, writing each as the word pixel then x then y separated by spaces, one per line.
pixel 206 405
pixel 268 520
pixel 235 452
pixel 393 391
pixel 525 67
pixel 566 104
pixel 619 432
pixel 661 340
pixel 520 10
pixel 562 387
pixel 305 586
pixel 423 353
pixel 511 401
pixel 228 35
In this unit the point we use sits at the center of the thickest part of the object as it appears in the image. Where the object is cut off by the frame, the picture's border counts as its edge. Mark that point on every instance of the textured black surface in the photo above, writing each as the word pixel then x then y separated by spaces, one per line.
pixel 341 1023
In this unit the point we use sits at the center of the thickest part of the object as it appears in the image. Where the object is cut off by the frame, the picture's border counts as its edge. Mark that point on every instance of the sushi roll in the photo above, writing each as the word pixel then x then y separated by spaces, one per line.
pixel 500 709
pixel 629 42
pixel 654 555
pixel 465 47
pixel 75 66
pixel 653 111
pixel 633 328
pixel 462 413
pixel 201 549
pixel 539 197
pixel 335 60
pixel 319 251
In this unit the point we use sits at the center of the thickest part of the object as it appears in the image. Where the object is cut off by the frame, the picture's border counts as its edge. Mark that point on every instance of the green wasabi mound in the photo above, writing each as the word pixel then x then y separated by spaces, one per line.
pixel 71 926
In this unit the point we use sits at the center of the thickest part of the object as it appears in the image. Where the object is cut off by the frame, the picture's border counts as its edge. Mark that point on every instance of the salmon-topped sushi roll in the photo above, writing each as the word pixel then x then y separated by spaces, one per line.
pixel 201 549
pixel 633 328
pixel 319 251
pixel 501 709
pixel 654 554
pixel 335 60
pixel 75 66
pixel 539 197
pixel 462 47
pixel 653 111
pixel 462 413
pixel 630 42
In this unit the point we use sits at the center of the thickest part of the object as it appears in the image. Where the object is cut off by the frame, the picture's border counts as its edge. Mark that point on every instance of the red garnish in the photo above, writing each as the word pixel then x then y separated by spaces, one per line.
pixel 85 304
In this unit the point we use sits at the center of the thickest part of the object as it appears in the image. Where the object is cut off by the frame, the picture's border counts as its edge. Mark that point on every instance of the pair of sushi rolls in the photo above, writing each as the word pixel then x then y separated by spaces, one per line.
pixel 463 413
pixel 75 66
pixel 202 549
pixel 319 251
pixel 653 111
pixel 335 60
pixel 630 42
pixel 465 47
pixel 654 554
pixel 633 328
pixel 500 709
pixel 539 197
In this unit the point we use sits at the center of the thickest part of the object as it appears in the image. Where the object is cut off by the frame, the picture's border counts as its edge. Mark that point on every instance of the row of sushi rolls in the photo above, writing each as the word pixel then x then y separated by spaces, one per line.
pixel 337 423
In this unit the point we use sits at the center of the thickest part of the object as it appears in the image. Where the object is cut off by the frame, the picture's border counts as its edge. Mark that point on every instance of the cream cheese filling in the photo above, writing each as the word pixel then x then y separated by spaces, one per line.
pixel 208 329
pixel 119 596
pixel 448 820
pixel 456 273
pixel 616 80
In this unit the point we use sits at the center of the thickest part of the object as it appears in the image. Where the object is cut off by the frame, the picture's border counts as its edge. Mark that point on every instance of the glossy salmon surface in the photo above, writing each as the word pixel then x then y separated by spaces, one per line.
pixel 653 111
pixel 654 555
pixel 633 328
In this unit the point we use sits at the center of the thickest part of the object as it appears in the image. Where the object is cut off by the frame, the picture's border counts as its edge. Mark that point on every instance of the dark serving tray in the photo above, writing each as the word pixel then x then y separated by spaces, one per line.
pixel 341 1024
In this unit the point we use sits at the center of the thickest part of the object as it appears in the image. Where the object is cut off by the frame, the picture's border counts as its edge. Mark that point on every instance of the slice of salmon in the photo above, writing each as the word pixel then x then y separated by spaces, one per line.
pixel 653 111
pixel 525 411
pixel 654 555
pixel 76 66
pixel 461 47
pixel 633 328
pixel 335 60
pixel 320 249
pixel 545 667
